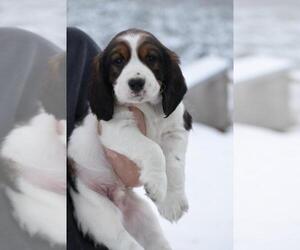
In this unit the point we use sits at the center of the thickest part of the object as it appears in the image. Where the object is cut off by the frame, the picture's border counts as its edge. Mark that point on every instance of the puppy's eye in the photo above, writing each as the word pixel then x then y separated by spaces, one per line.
pixel 151 58
pixel 118 61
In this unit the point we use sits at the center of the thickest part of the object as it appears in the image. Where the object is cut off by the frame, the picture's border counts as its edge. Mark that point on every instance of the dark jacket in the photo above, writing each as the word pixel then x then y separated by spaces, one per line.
pixel 81 51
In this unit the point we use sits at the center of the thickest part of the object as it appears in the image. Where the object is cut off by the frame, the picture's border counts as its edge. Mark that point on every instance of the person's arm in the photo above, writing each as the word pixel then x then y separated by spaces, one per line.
pixel 81 51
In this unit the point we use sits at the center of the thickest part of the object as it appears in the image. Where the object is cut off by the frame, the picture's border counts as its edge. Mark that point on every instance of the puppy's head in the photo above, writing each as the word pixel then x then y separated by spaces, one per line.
pixel 135 68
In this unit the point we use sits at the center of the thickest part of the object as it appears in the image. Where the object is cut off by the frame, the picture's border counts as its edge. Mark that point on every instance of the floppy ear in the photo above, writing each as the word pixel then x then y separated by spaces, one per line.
pixel 100 95
pixel 173 86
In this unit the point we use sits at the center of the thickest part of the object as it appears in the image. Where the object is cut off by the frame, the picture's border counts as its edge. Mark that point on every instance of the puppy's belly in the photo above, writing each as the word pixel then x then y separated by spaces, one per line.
pixel 116 192
pixel 119 195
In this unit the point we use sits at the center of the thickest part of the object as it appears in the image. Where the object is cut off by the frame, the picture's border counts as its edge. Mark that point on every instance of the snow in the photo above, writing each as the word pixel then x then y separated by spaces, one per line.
pixel 266 189
pixel 253 67
pixel 208 224
pixel 203 69
pixel 265 201
pixel 209 180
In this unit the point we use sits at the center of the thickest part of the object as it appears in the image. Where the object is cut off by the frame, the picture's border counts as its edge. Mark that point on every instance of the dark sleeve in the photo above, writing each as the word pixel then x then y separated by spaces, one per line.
pixel 81 51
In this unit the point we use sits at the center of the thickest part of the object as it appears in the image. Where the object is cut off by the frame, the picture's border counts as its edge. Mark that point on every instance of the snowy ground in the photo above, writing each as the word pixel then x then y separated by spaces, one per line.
pixel 266 189
pixel 267 163
pixel 253 177
pixel 209 181
pixel 208 225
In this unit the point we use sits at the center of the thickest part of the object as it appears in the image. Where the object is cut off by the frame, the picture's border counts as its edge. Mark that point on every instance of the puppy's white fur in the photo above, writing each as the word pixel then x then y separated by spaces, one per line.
pixel 37 152
pixel 106 210
pixel 160 156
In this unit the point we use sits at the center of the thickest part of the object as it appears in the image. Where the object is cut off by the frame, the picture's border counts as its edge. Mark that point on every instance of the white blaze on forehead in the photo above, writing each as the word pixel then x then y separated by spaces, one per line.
pixel 133 40
pixel 134 66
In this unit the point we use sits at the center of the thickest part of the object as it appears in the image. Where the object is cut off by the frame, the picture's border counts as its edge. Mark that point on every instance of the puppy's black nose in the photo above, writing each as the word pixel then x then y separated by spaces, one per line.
pixel 136 84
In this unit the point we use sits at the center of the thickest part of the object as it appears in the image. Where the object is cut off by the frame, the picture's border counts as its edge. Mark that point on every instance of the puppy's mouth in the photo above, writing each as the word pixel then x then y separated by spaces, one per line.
pixel 137 96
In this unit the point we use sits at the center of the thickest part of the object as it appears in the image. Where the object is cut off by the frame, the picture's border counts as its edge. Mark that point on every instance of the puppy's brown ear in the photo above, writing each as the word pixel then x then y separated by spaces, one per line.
pixel 173 86
pixel 100 95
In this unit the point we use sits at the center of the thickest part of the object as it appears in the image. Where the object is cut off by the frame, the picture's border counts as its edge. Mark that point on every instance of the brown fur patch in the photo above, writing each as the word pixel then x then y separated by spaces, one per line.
pixel 150 54
pixel 121 49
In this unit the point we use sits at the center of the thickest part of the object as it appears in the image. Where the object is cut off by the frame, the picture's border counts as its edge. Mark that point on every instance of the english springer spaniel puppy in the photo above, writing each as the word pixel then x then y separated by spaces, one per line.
pixel 136 70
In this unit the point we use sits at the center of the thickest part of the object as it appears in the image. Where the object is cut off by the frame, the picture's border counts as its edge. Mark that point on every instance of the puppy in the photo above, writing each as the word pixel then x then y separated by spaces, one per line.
pixel 135 69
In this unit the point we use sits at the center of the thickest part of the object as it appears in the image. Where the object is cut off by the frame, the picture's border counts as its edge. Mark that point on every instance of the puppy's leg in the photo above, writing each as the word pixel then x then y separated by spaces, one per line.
pixel 98 217
pixel 141 222
pixel 125 138
pixel 174 147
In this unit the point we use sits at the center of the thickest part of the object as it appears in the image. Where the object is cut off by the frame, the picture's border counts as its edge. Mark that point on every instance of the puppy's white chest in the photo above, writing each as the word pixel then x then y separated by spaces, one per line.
pixel 154 122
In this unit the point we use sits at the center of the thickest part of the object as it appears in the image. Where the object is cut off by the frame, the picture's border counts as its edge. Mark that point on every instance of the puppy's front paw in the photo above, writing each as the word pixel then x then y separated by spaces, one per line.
pixel 173 207
pixel 156 188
